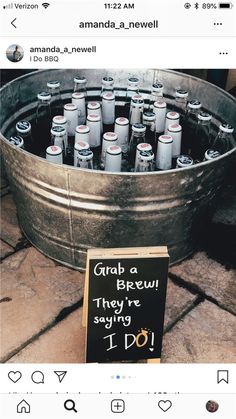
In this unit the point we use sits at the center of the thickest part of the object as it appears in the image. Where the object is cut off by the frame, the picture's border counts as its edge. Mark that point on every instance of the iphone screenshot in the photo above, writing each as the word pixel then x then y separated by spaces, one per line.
pixel 118 209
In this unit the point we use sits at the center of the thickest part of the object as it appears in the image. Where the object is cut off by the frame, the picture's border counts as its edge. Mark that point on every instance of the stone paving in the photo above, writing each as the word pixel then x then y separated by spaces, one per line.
pixel 41 304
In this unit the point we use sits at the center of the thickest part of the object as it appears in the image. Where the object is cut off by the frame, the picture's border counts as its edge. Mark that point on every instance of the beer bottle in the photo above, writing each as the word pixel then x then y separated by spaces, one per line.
pixel 107 85
pixel 175 131
pixel 190 125
pixel 132 89
pixel 113 159
pixel 78 99
pixel 181 101
pixel 23 129
pixel 60 120
pixel 156 93
pixel 149 121
pixel 122 131
pixel 171 118
pixel 224 140
pixel 80 85
pixel 79 145
pixel 109 138
pixel 202 140
pixel 54 154
pixel 95 109
pixel 85 159
pixel 137 137
pixel 43 122
pixel 56 101
pixel 145 161
pixel 141 147
pixel 58 137
pixel 82 133
pixel 164 152
pixel 94 124
pixel 108 111
pixel 71 115
pixel 159 108
pixel 136 109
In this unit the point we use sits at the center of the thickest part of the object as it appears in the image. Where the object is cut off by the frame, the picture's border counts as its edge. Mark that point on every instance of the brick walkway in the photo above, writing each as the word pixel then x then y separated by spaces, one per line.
pixel 41 303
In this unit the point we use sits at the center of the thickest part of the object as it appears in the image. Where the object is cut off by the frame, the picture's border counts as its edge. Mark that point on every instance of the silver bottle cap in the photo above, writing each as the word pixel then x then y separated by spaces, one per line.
pixel 149 116
pixel 204 116
pixel 194 104
pixel 138 128
pixel 85 155
pixel 133 81
pixel 211 154
pixel 181 93
pixel 44 96
pixel 108 81
pixel 58 131
pixel 146 155
pixel 23 127
pixel 184 161
pixel 227 128
pixel 17 141
pixel 157 87
pixel 53 84
pixel 80 79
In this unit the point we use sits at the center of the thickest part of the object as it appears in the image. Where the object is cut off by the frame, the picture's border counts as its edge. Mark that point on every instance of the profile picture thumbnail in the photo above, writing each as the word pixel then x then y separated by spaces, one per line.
pixel 14 53
pixel 212 406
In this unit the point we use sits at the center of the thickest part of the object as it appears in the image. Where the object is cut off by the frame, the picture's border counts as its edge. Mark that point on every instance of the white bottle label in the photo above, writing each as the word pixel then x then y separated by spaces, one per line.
pixel 164 156
pixel 108 111
pixel 160 119
pixel 72 121
pixel 80 103
pixel 122 132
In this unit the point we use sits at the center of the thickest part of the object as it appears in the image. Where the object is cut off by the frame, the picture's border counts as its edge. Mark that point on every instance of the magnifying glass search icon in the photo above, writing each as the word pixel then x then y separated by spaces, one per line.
pixel 70 405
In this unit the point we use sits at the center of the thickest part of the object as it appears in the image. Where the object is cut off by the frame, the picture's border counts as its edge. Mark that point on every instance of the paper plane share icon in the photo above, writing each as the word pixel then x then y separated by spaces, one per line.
pixel 61 375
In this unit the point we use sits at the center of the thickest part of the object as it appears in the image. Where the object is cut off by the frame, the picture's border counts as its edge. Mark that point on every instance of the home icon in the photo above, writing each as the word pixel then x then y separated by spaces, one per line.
pixel 23 407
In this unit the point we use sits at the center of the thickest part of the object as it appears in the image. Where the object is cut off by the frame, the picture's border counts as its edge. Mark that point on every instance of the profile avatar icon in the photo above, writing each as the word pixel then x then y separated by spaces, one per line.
pixel 14 53
pixel 212 406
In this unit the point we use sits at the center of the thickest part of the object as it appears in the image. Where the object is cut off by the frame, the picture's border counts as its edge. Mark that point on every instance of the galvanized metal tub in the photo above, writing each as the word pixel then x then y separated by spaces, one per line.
pixel 63 210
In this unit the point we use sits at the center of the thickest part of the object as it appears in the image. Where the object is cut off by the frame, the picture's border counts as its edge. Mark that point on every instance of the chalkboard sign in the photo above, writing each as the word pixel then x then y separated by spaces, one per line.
pixel 124 303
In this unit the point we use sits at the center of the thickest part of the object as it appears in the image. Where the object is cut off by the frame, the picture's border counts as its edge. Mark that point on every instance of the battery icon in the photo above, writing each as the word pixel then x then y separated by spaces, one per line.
pixel 225 5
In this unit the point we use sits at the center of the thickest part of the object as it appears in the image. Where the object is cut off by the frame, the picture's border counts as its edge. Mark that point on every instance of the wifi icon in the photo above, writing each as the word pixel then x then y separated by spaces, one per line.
pixel 45 5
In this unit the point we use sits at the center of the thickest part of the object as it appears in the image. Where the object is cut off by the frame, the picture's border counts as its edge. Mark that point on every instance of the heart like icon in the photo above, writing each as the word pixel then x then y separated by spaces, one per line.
pixel 165 405
pixel 14 376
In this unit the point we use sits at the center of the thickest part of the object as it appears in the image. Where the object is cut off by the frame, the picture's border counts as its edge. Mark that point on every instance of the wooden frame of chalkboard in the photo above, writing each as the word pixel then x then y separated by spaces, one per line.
pixel 124 303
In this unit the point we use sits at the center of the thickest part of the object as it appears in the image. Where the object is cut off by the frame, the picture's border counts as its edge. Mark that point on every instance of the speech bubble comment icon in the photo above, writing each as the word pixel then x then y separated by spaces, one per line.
pixel 37 377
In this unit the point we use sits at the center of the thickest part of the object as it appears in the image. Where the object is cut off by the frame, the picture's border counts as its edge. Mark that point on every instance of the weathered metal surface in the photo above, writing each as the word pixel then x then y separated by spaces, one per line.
pixel 64 210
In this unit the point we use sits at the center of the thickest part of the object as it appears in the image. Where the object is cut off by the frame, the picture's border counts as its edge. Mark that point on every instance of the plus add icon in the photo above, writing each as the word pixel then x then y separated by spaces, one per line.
pixel 117 406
